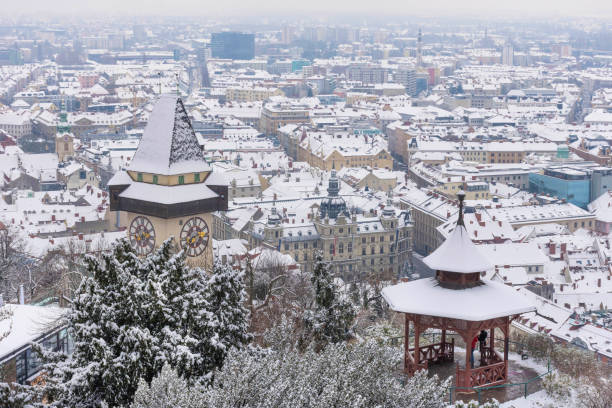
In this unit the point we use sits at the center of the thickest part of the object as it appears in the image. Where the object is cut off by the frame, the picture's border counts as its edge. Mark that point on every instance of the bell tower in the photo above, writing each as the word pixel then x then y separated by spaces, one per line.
pixel 169 190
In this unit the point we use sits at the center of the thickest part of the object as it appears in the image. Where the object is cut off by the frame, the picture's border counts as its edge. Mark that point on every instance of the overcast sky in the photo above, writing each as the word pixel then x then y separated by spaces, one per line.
pixel 314 8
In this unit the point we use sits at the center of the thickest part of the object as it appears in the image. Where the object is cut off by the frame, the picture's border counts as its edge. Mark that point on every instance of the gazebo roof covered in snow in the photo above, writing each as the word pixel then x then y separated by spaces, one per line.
pixel 169 145
pixel 488 300
pixel 458 253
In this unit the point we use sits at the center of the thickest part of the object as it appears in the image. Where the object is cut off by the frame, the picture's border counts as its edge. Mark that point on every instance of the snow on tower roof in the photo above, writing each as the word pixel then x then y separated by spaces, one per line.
pixel 169 144
pixel 458 254
pixel 483 302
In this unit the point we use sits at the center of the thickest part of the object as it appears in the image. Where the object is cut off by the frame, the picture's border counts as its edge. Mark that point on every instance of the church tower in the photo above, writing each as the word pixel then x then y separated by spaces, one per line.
pixel 169 190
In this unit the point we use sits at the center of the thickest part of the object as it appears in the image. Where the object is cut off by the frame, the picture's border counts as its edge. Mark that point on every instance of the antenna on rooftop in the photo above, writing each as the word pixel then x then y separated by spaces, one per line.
pixel 461 197
pixel 159 82
pixel 177 84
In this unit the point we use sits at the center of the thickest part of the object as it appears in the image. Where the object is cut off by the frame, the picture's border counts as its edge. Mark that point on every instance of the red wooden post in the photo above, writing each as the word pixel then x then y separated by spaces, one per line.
pixel 506 335
pixel 417 351
pixel 406 342
pixel 492 341
pixel 467 374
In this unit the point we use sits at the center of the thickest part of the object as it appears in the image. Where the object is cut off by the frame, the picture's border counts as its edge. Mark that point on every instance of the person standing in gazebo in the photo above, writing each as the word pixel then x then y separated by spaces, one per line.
pixel 473 346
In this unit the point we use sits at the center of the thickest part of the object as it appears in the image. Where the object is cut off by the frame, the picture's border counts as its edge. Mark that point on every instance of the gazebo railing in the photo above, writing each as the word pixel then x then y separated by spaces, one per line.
pixel 435 352
pixel 487 375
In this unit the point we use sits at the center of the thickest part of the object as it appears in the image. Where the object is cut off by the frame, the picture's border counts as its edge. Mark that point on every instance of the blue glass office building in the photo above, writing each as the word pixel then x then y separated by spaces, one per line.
pixel 232 45
pixel 574 186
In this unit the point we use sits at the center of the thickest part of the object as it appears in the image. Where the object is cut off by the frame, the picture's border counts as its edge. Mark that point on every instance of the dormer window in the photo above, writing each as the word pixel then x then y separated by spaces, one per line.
pixel 181 180
pixel 139 177
pixel 155 179
pixel 196 177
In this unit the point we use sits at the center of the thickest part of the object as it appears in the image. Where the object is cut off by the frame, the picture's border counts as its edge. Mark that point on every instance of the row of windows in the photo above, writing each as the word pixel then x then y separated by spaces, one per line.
pixel 28 363
pixel 181 179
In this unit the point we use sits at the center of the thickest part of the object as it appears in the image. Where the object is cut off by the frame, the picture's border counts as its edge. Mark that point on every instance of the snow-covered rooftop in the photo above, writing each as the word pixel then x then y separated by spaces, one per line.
pixel 458 254
pixel 169 144
pixel 486 301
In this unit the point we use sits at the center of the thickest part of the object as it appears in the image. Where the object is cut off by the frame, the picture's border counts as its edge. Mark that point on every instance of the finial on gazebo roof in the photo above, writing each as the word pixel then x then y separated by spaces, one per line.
pixel 461 197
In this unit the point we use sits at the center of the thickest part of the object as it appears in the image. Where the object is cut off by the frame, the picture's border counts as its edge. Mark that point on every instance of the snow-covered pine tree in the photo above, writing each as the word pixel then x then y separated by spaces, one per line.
pixel 226 296
pixel 111 348
pixel 331 320
pixel 180 316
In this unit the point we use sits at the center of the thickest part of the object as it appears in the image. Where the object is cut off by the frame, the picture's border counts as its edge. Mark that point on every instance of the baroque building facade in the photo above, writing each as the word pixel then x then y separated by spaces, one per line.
pixel 357 246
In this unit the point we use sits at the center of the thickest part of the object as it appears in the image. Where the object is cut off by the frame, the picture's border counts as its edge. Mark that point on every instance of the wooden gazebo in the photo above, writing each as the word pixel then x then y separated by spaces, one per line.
pixel 459 301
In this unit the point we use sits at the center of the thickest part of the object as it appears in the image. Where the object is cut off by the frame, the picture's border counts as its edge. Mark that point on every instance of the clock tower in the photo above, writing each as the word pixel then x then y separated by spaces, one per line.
pixel 169 190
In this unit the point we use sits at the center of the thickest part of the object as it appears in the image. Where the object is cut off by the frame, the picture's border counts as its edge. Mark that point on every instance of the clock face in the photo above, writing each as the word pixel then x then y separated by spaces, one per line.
pixel 142 235
pixel 194 236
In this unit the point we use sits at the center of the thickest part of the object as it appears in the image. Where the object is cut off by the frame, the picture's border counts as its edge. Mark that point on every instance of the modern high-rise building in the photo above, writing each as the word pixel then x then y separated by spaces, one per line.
pixel 508 54
pixel 407 77
pixel 233 45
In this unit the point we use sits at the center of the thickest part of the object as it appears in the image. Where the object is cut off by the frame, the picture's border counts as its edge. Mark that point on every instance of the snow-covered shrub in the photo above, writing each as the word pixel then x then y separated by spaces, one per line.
pixel 18 396
pixel 594 394
pixel 167 390
pixel 384 333
pixel 558 386
pixel 341 375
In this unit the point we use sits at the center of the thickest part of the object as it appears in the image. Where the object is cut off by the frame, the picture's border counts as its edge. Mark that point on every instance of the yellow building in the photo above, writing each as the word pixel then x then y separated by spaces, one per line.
pixel 343 149
pixel 169 190
pixel 64 146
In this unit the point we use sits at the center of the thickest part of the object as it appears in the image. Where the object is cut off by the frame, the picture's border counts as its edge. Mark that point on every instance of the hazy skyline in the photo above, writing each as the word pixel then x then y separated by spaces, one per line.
pixel 314 8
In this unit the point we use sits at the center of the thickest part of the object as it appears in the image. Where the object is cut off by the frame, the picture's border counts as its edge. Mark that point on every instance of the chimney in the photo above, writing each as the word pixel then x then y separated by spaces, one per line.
pixel 21 295
pixel 599 283
pixel 552 248
pixel 80 237
pixel 476 233
pixel 478 216
pixel 561 287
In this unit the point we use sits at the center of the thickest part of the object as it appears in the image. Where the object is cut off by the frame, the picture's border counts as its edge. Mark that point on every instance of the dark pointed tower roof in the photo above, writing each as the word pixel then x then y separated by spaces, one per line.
pixel 169 145
pixel 333 205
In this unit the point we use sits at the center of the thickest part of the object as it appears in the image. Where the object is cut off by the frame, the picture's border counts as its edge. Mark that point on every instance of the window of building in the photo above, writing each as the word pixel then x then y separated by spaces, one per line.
pixel 139 177
pixel 314 244
pixel 341 248
pixel 181 179
pixel 286 246
pixel 331 249
pixel 295 246
pixel 382 238
pixel 372 251
pixel 363 240
pixel 341 230
pixel 350 247
pixel 154 179
pixel 196 177
pixel 382 249
pixel 363 251
pixel 305 245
